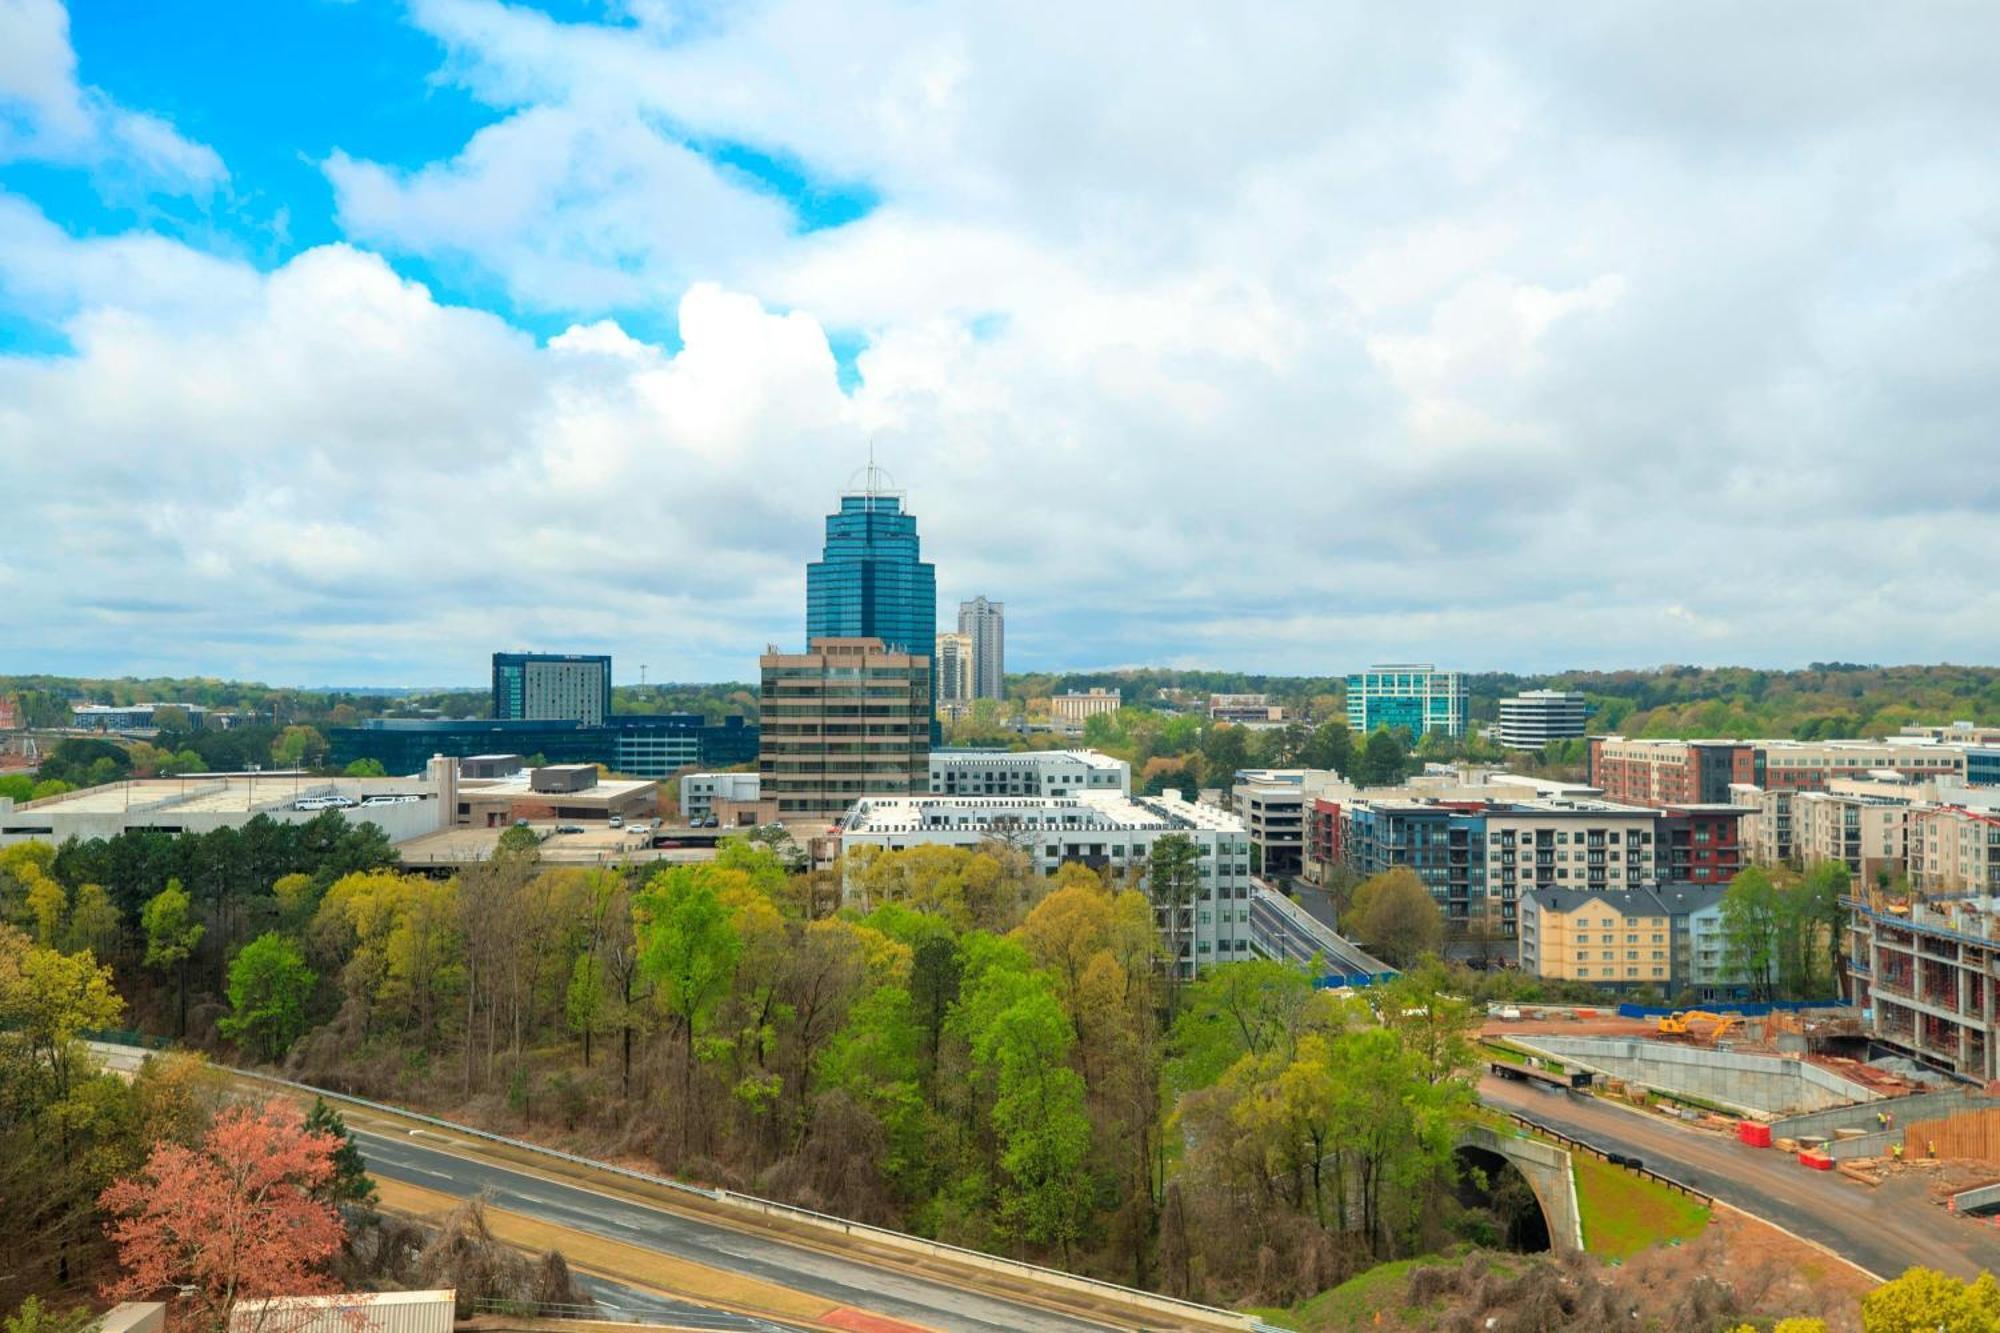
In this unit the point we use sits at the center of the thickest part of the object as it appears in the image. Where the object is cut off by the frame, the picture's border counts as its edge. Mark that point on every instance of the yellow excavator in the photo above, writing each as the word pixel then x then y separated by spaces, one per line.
pixel 1681 1023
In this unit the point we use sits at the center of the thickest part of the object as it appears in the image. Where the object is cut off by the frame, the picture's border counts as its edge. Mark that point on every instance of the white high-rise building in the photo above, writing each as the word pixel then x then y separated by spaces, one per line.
pixel 985 623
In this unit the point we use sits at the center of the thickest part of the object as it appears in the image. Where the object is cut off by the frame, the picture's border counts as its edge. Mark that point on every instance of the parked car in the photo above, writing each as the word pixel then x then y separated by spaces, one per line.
pixel 569 828
pixel 616 821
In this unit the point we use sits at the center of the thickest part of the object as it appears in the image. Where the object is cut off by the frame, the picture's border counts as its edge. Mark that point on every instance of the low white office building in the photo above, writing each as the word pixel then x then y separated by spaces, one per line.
pixel 1027 773
pixel 1531 720
pixel 700 792
pixel 204 802
pixel 1099 830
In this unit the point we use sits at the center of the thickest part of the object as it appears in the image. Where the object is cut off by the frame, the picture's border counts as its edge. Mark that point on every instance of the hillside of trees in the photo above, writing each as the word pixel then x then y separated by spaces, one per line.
pixel 969 1050
pixel 1825 700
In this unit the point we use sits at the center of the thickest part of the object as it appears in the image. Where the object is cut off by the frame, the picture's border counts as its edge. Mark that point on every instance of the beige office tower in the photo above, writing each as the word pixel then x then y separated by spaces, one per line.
pixel 954 660
pixel 846 718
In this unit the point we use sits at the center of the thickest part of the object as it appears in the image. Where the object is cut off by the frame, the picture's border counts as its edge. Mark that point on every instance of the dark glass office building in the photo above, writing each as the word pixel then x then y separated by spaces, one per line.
pixel 643 745
pixel 870 583
pixel 552 687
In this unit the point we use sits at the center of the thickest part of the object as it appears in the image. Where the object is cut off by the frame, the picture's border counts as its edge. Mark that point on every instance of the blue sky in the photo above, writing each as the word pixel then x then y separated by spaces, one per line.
pixel 352 341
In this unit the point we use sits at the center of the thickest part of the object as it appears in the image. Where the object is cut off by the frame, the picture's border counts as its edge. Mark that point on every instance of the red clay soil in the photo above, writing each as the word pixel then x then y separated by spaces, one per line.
pixel 1791 1274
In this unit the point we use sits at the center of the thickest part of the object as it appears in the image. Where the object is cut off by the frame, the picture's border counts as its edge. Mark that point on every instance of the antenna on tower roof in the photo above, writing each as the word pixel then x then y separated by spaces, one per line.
pixel 874 480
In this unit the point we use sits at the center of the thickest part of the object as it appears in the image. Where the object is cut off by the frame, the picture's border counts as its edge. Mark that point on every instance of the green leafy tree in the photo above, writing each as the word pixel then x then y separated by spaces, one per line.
pixel 1332 747
pixel 366 768
pixel 93 922
pixel 171 936
pixel 1751 931
pixel 33 1317
pixel 1396 917
pixel 269 988
pixel 1823 925
pixel 1383 761
pixel 1924 1300
pixel 585 1004
pixel 1038 1111
pixel 298 746
pixel 688 949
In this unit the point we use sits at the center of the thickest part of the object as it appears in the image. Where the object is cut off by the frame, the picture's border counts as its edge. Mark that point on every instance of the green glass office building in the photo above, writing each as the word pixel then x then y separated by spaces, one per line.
pixel 1416 697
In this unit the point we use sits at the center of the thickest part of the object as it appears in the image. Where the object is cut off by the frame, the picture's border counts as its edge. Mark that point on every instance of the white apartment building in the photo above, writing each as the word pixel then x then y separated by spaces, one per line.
pixel 1864 832
pixel 1027 773
pixel 700 791
pixel 1953 850
pixel 1100 830
pixel 1530 720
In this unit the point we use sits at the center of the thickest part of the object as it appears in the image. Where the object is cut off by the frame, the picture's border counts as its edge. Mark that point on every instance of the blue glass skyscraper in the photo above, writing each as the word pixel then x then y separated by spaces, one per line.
pixel 870 583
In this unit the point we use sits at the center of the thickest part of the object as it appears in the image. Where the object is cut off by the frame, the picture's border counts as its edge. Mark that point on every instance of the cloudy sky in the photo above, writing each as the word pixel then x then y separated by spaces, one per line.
pixel 348 342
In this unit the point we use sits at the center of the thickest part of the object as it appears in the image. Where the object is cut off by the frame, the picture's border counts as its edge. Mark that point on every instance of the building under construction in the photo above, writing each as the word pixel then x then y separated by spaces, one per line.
pixel 1925 974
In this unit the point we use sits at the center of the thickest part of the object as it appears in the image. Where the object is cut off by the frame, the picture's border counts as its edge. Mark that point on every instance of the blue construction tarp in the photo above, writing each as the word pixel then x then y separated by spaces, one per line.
pixel 1758 1009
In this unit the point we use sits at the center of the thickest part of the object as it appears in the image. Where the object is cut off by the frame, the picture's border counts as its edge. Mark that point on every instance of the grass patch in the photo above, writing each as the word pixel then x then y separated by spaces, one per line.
pixel 1352 1306
pixel 1624 1213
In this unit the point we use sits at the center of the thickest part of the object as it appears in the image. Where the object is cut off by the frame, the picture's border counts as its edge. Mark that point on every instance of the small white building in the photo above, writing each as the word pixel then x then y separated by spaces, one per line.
pixel 375 1311
pixel 1027 773
pixel 1099 830
pixel 700 792
pixel 402 808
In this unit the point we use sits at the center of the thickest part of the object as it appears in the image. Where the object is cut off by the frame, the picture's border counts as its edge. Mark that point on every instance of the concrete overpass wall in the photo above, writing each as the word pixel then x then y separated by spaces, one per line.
pixel 1755 1084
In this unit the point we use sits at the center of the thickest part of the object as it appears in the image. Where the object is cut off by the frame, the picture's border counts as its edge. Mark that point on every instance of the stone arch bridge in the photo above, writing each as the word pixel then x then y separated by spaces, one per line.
pixel 1546 1168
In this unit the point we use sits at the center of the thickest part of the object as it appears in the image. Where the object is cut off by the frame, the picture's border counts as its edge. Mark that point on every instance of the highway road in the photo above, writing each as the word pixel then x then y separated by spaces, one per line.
pixel 1884 1229
pixel 1295 936
pixel 401 1157
pixel 622 1304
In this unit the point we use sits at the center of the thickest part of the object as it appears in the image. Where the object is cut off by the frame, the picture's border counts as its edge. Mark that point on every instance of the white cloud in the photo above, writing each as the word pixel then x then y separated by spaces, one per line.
pixel 47 115
pixel 1280 336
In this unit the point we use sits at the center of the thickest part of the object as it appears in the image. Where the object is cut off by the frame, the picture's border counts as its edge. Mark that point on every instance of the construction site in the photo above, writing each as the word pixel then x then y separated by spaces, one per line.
pixel 1819 1088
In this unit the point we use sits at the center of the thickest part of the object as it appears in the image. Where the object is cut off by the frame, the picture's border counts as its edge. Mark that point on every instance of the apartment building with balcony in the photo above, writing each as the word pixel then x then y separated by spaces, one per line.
pixel 1864 833
pixel 1668 772
pixel 1102 830
pixel 1950 849
pixel 973 772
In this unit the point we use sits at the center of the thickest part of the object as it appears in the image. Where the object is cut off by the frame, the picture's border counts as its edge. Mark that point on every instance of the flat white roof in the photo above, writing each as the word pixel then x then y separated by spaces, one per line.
pixel 228 794
pixel 1107 811
pixel 1089 758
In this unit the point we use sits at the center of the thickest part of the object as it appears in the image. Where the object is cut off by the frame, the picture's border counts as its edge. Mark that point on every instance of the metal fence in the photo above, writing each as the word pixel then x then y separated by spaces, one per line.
pixel 1706 1199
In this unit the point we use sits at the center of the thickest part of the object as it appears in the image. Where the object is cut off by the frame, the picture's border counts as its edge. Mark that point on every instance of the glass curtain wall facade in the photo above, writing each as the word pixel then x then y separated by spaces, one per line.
pixel 870 582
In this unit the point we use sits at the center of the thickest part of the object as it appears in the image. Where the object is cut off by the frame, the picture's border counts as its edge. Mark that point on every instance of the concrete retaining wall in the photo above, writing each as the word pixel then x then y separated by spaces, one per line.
pixel 1986 1196
pixel 1866 1145
pixel 1753 1084
pixel 1922 1106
